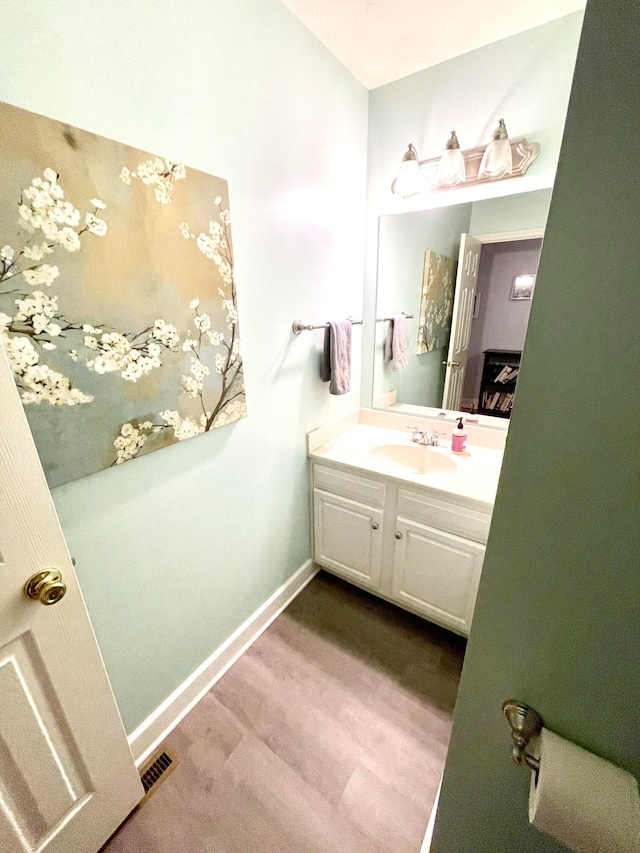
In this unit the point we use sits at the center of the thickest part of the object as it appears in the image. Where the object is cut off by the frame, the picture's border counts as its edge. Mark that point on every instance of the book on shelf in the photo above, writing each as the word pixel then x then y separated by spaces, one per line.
pixel 492 400
pixel 507 374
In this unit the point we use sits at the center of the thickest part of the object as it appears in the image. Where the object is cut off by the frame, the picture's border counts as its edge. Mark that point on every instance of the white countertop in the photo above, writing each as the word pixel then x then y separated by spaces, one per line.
pixel 472 475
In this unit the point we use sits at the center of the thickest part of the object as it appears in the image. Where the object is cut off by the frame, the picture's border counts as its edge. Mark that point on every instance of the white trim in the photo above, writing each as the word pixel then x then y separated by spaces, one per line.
pixel 152 731
pixel 386 400
pixel 510 236
pixel 426 844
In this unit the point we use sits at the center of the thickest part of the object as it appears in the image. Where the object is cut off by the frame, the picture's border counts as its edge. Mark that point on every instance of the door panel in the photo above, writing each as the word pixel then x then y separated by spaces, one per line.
pixel 347 539
pixel 437 573
pixel 67 777
pixel 41 792
pixel 458 354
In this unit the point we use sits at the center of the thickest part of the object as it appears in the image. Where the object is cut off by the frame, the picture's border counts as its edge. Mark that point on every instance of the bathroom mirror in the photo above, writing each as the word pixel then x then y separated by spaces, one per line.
pixel 452 272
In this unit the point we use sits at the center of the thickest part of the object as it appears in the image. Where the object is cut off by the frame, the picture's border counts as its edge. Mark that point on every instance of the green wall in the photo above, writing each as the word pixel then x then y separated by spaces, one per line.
pixel 557 619
pixel 510 212
pixel 176 549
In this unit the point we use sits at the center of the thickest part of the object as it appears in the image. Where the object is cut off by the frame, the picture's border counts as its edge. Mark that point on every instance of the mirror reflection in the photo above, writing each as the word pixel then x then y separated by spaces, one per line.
pixel 455 287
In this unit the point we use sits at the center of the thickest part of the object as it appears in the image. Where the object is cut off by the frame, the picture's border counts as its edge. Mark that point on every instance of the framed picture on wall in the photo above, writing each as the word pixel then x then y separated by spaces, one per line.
pixel 522 286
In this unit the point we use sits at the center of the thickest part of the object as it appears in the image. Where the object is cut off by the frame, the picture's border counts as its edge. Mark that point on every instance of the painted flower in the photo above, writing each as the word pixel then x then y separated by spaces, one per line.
pixel 68 239
pixel 95 225
pixel 45 274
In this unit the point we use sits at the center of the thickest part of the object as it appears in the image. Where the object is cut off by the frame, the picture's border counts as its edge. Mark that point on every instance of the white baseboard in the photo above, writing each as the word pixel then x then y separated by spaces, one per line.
pixel 426 844
pixel 152 731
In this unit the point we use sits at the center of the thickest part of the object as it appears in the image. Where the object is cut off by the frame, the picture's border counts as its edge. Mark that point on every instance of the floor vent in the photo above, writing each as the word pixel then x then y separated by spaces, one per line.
pixel 156 771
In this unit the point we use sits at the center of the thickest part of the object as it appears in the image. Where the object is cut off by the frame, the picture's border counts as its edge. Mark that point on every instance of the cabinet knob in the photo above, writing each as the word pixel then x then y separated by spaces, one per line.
pixel 375 526
pixel 398 535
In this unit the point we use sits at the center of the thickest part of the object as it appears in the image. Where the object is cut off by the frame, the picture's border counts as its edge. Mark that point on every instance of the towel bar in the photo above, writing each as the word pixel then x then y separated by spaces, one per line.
pixel 386 319
pixel 298 326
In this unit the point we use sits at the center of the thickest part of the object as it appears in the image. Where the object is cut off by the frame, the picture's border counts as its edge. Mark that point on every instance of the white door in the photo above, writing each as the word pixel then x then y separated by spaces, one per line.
pixel 348 538
pixel 456 362
pixel 437 574
pixel 67 777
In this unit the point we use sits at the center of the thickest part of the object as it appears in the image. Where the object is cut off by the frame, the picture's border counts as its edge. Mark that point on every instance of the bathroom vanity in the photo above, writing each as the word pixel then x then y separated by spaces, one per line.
pixel 416 539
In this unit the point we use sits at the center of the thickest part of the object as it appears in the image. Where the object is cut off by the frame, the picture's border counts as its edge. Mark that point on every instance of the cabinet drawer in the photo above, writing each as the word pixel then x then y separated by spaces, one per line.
pixel 470 523
pixel 348 485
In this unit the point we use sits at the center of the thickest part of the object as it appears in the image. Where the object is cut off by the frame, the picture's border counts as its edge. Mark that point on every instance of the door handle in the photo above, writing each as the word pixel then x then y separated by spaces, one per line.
pixel 452 363
pixel 47 587
pixel 375 526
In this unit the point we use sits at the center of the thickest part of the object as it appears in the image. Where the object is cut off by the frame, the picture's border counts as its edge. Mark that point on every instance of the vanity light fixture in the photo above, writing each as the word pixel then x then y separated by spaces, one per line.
pixel 497 160
pixel 407 180
pixel 502 158
pixel 451 168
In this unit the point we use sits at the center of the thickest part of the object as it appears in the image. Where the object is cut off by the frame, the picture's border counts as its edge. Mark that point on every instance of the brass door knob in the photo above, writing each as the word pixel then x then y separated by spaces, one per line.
pixel 47 587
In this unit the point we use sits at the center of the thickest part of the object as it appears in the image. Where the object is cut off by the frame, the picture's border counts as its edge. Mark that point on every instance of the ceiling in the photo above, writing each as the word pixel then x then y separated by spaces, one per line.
pixel 383 40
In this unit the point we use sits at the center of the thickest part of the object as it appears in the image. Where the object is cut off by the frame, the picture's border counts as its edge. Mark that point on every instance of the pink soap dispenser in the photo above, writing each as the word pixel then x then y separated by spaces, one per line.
pixel 459 437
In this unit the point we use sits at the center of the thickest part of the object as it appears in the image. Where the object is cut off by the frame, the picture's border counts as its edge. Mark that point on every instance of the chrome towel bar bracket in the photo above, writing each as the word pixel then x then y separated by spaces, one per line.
pixel 526 723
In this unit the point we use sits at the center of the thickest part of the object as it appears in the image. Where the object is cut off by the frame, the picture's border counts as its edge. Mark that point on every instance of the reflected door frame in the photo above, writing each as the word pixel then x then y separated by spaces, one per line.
pixel 461 316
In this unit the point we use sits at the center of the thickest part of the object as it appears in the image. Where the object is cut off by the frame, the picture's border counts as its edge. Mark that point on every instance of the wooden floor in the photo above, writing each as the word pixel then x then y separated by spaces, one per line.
pixel 329 734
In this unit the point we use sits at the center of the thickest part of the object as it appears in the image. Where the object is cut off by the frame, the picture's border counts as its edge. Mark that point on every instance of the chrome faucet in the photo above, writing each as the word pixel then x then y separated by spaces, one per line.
pixel 430 439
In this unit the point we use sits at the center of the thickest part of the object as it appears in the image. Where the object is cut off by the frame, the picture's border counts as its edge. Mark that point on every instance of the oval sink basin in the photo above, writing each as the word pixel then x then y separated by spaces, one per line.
pixel 419 458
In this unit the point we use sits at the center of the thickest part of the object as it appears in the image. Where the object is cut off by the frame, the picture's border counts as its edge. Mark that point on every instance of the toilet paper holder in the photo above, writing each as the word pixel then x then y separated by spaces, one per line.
pixel 526 723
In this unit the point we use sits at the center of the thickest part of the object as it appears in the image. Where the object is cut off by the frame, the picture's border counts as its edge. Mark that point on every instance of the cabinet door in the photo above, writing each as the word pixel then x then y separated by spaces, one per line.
pixel 436 573
pixel 348 538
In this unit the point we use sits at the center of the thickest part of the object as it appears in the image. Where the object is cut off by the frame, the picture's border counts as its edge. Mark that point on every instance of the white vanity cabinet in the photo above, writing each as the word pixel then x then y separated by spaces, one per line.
pixel 421 551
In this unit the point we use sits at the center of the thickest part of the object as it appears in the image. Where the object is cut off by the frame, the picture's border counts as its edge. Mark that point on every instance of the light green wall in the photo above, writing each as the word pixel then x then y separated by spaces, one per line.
pixel 176 549
pixel 511 213
pixel 557 618
pixel 525 79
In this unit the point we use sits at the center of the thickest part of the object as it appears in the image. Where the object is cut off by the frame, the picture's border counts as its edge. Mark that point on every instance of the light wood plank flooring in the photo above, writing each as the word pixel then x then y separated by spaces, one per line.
pixel 329 734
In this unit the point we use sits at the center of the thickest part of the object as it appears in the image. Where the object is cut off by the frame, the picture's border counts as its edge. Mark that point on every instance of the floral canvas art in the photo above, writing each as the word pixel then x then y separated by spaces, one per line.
pixel 436 304
pixel 118 307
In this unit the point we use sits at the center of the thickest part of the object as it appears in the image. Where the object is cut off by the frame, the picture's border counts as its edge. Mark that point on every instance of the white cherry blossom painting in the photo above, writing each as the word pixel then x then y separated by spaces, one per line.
pixel 118 307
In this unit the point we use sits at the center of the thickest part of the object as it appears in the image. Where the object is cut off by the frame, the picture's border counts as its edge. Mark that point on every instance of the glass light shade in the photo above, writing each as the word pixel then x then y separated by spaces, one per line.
pixel 408 176
pixel 497 160
pixel 451 168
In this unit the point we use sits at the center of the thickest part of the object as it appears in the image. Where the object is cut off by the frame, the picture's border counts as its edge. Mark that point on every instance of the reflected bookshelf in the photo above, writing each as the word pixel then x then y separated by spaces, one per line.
pixel 498 384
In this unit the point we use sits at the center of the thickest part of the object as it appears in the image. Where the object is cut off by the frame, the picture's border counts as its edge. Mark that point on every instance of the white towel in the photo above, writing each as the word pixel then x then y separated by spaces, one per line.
pixel 396 344
pixel 336 358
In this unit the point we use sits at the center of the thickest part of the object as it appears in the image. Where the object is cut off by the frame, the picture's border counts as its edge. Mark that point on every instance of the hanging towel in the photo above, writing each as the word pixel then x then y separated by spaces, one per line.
pixel 336 356
pixel 397 342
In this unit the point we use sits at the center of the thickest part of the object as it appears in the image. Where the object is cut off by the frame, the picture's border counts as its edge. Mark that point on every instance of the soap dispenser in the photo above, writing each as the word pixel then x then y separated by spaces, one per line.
pixel 459 437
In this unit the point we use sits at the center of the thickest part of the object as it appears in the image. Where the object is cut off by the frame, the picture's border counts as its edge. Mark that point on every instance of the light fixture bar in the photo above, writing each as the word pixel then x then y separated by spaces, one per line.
pixel 524 153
